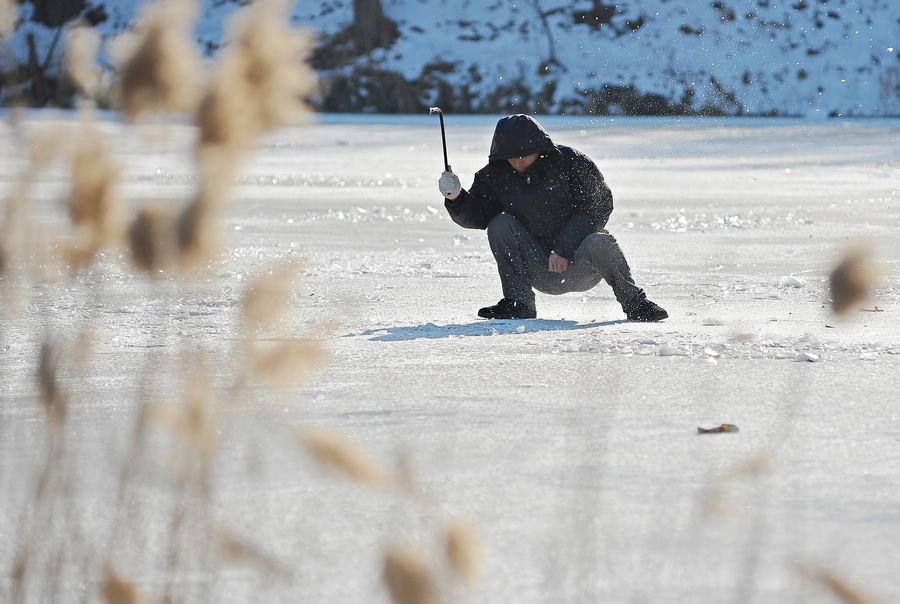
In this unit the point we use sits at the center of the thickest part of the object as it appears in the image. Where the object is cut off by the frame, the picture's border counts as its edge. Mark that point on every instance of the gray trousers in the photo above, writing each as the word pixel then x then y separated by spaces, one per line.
pixel 523 265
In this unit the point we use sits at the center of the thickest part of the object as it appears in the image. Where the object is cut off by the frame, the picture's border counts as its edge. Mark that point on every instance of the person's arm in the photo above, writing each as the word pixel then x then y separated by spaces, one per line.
pixel 593 203
pixel 475 208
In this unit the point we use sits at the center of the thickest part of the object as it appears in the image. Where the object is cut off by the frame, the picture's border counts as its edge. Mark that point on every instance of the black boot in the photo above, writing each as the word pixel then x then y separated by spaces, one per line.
pixel 509 309
pixel 648 312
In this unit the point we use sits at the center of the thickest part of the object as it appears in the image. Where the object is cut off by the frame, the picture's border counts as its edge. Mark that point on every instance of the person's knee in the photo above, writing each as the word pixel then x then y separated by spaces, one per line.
pixel 600 242
pixel 503 221
pixel 502 226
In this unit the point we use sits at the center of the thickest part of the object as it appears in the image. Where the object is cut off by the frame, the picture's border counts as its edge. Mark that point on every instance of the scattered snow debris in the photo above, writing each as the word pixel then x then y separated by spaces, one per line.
pixel 520 329
pixel 667 350
pixel 713 350
pixel 460 239
pixel 712 322
pixel 790 281
pixel 868 356
pixel 807 340
pixel 804 356
pixel 432 210
pixel 743 338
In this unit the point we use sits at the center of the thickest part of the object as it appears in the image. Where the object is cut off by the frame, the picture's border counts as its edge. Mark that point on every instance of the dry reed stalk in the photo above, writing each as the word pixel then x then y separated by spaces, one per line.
pixel 194 233
pixel 405 479
pixel 281 363
pixel 851 280
pixel 715 501
pixel 17 575
pixel 82 45
pixel 838 586
pixel 94 203
pixel 195 422
pixel 268 296
pixel 201 418
pixel 464 550
pixel 218 168
pixel 10 232
pixel 8 16
pixel 52 398
pixel 118 590
pixel 407 578
pixel 339 453
pixel 196 238
pixel 261 81
pixel 754 466
pixel 237 550
pixel 160 64
pixel 41 150
pixel 151 239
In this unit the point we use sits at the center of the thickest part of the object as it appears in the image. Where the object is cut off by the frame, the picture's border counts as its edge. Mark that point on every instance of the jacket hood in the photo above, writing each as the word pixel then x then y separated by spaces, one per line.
pixel 517 136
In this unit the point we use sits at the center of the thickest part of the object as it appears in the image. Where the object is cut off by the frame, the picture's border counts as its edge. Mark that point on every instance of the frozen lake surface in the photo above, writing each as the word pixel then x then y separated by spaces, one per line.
pixel 570 440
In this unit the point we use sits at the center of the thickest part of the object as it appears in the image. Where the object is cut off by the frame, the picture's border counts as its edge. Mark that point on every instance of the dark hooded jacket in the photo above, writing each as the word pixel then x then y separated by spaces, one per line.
pixel 560 199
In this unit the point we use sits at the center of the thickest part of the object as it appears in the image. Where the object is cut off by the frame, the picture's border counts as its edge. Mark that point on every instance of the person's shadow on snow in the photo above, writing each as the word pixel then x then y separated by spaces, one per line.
pixel 480 328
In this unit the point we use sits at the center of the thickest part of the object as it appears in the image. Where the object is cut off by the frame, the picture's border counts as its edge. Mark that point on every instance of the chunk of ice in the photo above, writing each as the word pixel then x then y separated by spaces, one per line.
pixel 790 281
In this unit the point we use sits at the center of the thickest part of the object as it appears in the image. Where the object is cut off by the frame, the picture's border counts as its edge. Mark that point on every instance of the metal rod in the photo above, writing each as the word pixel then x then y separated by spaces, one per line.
pixel 443 136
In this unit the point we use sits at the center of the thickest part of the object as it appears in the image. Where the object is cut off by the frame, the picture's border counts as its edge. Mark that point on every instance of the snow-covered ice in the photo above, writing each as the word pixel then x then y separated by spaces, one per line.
pixel 570 440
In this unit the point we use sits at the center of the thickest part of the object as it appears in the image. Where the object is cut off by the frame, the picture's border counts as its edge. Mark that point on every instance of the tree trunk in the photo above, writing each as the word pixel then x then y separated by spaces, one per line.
pixel 39 89
pixel 367 13
pixel 371 29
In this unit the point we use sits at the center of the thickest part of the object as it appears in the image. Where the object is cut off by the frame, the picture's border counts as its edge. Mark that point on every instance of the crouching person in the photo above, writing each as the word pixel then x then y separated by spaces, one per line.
pixel 545 207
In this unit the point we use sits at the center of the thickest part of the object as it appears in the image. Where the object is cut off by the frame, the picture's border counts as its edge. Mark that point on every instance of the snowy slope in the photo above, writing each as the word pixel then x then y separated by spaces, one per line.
pixel 835 57
pixel 818 57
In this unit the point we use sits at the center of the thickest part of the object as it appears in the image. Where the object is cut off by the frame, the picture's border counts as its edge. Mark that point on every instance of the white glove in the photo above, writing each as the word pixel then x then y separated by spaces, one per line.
pixel 449 185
